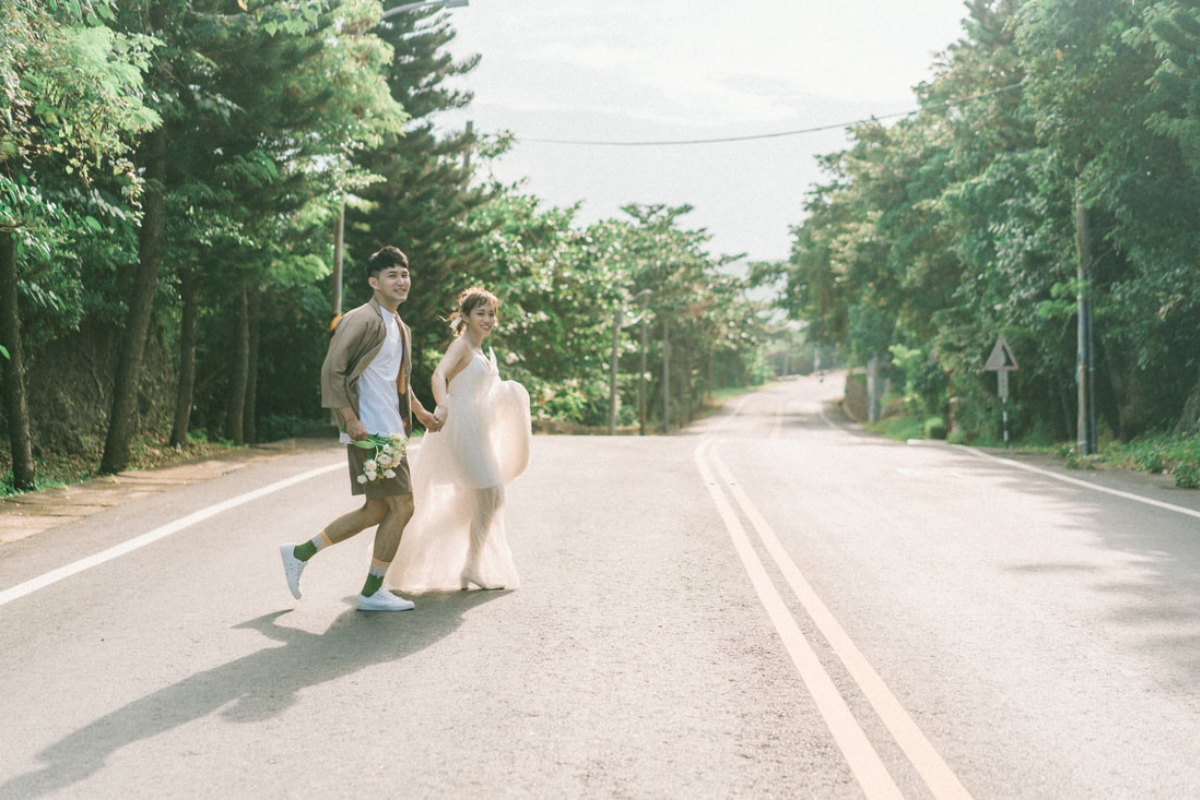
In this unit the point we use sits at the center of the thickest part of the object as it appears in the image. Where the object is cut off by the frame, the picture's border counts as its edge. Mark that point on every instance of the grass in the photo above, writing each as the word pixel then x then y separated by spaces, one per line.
pixel 899 429
pixel 1177 455
pixel 711 405
pixel 66 469
pixel 717 398
pixel 1173 454
pixel 720 396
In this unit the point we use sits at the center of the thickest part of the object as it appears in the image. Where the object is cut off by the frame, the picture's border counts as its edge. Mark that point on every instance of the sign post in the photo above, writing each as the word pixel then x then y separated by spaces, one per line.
pixel 1002 361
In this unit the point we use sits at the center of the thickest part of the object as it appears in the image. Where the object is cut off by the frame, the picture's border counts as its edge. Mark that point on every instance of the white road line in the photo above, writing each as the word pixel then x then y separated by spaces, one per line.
pixel 938 776
pixel 864 761
pixel 42 581
pixel 1075 481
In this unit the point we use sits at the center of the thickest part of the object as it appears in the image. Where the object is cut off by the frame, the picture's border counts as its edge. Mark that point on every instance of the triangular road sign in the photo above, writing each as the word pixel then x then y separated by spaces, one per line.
pixel 1002 358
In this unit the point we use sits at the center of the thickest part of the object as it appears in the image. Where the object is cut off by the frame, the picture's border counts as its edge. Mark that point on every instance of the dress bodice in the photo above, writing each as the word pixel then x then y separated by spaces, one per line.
pixel 474 379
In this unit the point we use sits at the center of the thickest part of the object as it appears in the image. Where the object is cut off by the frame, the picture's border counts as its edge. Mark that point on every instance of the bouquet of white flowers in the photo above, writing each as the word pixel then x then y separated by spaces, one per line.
pixel 388 452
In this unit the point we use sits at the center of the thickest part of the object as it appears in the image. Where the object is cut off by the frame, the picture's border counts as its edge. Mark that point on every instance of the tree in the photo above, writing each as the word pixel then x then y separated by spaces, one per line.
pixel 425 194
pixel 272 98
pixel 945 229
pixel 1174 32
pixel 16 407
pixel 72 97
pixel 560 286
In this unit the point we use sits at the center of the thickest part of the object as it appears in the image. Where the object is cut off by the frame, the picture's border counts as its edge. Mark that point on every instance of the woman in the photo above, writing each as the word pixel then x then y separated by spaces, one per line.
pixel 456 537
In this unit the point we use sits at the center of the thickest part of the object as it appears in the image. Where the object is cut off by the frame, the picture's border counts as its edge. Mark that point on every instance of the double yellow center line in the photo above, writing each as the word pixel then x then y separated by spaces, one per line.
pixel 864 761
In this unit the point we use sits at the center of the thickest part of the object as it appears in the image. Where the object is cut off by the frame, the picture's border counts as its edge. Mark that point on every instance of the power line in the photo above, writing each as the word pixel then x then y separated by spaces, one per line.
pixel 779 134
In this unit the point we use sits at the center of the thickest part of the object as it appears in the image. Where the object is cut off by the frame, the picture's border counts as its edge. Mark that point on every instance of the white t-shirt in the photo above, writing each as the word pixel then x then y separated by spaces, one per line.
pixel 378 403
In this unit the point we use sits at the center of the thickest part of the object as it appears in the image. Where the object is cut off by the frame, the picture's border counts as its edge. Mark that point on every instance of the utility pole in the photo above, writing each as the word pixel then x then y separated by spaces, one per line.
pixel 618 321
pixel 470 134
pixel 1084 362
pixel 1091 348
pixel 666 376
pixel 642 297
pixel 339 229
pixel 873 388
pixel 642 380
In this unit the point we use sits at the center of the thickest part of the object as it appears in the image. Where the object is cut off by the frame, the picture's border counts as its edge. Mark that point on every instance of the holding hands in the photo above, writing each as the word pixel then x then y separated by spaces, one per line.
pixel 432 422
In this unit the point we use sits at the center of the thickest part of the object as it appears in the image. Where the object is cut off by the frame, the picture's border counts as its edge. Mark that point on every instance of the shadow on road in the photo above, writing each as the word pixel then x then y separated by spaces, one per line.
pixel 261 685
pixel 1157 602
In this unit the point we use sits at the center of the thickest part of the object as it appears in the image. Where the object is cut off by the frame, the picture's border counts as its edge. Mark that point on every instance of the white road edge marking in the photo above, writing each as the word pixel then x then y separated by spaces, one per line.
pixel 864 761
pixel 938 776
pixel 42 581
pixel 1075 481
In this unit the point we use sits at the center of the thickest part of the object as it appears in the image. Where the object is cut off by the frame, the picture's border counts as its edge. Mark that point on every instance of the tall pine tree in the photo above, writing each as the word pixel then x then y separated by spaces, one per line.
pixel 422 204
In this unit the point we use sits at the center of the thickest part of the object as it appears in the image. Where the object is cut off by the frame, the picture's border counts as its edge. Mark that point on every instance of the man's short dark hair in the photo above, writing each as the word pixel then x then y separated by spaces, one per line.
pixel 385 258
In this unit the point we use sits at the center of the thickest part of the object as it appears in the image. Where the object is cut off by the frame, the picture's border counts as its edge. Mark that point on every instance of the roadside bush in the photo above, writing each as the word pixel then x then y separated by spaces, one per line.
pixel 920 380
pixel 1187 476
pixel 274 427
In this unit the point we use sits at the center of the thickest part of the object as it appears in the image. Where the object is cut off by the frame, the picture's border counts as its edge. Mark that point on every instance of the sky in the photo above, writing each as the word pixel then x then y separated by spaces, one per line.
pixel 671 70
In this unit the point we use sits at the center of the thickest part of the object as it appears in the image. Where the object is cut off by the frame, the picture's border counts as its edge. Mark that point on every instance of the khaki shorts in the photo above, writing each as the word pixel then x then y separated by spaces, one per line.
pixel 381 486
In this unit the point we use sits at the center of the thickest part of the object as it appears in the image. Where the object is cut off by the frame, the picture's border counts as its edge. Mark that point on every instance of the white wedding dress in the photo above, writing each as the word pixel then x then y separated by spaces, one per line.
pixel 459 475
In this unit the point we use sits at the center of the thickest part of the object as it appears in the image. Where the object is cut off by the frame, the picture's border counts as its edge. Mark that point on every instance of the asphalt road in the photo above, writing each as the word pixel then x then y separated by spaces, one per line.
pixel 771 604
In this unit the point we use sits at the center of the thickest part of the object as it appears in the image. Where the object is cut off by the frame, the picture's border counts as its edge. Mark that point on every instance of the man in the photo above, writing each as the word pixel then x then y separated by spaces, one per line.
pixel 365 380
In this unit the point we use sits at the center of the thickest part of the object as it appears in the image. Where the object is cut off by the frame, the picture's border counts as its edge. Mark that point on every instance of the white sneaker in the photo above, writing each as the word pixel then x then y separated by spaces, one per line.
pixel 383 600
pixel 292 567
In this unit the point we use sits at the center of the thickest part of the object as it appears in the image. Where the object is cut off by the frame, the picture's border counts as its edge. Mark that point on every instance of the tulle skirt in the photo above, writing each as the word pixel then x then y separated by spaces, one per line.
pixel 459 479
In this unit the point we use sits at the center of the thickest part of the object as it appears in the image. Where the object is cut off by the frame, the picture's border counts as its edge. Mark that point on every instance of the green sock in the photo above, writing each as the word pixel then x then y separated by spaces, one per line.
pixel 306 550
pixel 374 577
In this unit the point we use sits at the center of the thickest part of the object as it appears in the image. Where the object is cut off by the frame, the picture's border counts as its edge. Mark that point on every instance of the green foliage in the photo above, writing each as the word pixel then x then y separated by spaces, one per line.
pixel 1171 453
pixel 273 427
pixel 1187 476
pixel 70 92
pixel 948 228
pixel 1075 460
pixel 272 116
pixel 923 384
pixel 900 429
pixel 561 287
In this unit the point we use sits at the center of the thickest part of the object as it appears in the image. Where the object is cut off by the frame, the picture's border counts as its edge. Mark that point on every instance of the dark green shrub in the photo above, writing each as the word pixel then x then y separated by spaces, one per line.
pixel 1187 476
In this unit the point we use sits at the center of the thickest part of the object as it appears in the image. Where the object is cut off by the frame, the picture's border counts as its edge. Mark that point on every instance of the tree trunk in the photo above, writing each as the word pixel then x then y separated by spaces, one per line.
pixel 1066 388
pixel 248 416
pixel 16 406
pixel 187 357
pixel 874 389
pixel 1126 412
pixel 238 373
pixel 127 382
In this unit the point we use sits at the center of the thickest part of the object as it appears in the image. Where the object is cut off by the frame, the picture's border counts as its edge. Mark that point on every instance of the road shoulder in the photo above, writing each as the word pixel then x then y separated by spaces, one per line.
pixel 25 515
